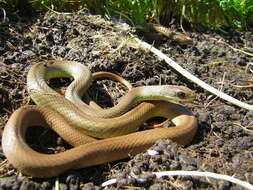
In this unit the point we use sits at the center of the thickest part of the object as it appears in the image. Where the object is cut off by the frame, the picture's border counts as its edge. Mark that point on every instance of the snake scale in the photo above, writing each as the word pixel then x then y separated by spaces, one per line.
pixel 82 125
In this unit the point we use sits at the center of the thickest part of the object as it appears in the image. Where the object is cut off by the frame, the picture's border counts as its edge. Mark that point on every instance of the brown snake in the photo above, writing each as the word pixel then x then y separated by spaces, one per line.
pixel 87 150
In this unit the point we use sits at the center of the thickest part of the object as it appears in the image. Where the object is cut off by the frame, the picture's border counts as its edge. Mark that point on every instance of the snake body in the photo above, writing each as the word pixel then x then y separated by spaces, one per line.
pixel 156 31
pixel 68 120
pixel 40 92
pixel 94 152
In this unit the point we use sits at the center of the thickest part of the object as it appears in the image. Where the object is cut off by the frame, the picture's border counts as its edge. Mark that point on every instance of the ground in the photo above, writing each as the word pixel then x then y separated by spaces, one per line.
pixel 223 143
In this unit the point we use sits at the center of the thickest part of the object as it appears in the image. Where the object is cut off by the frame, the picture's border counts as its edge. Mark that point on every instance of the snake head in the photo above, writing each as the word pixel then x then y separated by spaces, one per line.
pixel 177 93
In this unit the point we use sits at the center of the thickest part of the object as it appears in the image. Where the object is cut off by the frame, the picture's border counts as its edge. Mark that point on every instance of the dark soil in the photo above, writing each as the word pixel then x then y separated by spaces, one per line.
pixel 223 143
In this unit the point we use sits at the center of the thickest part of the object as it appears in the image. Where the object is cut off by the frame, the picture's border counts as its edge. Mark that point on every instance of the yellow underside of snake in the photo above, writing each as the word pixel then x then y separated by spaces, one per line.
pixel 81 124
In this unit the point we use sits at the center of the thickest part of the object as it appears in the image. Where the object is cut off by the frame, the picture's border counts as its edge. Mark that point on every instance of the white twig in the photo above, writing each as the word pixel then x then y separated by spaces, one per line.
pixel 249 67
pixel 57 184
pixel 4 13
pixel 205 174
pixel 194 79
pixel 109 182
pixel 193 174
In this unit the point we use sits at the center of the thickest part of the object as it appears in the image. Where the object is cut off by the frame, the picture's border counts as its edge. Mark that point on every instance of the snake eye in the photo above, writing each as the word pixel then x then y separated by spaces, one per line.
pixel 181 95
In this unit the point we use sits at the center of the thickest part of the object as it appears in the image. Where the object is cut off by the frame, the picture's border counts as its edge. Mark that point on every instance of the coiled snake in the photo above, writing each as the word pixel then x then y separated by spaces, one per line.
pixel 81 125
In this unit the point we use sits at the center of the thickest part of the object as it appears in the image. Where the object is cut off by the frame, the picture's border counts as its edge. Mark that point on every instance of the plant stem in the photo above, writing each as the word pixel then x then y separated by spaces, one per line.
pixel 191 77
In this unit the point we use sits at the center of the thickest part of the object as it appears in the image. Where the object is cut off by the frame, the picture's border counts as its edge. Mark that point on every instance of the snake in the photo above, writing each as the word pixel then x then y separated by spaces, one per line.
pixel 41 93
pixel 95 140
pixel 150 28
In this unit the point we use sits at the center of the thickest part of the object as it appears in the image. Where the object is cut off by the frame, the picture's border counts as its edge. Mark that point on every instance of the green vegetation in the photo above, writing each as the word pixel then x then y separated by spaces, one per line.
pixel 237 14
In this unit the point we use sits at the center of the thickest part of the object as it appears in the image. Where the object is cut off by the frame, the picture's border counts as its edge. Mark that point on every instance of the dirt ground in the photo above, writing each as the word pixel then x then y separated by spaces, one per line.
pixel 223 143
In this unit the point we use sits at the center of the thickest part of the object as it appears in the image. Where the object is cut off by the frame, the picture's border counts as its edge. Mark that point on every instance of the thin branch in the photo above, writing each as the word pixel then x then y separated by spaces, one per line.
pixel 191 77
pixel 193 174
pixel 4 14
pixel 236 49
pixel 206 174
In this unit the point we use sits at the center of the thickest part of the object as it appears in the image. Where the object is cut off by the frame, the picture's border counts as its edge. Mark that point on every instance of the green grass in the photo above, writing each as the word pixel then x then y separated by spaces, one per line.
pixel 237 14
pixel 237 10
